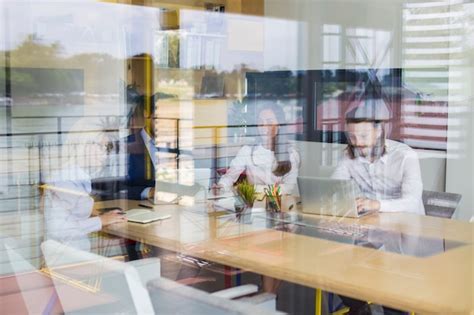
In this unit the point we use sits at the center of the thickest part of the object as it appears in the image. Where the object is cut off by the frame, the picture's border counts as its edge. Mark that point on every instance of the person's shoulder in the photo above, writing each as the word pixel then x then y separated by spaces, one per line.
pixel 135 144
pixel 293 150
pixel 346 161
pixel 400 148
pixel 132 136
pixel 137 134
pixel 345 157
pixel 294 155
pixel 245 150
pixel 70 177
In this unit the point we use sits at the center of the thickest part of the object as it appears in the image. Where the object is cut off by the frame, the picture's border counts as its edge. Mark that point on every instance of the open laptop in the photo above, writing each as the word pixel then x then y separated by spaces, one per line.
pixel 327 196
pixel 186 186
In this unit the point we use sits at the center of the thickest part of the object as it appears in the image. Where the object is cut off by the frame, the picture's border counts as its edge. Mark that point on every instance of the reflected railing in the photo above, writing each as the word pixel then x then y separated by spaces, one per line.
pixel 44 149
pixel 216 144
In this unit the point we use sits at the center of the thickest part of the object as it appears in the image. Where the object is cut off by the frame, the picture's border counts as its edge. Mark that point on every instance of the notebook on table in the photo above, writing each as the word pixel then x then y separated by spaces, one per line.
pixel 145 216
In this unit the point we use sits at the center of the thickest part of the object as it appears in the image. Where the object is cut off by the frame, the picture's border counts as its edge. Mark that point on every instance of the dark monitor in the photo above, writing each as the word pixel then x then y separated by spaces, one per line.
pixel 212 86
pixel 334 92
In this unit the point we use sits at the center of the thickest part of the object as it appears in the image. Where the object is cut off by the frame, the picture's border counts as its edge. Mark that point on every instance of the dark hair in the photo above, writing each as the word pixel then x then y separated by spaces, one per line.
pixel 280 144
pixel 362 120
pixel 137 103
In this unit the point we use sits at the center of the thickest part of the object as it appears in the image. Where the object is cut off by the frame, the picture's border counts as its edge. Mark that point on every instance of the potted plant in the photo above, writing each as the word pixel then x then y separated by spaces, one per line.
pixel 247 192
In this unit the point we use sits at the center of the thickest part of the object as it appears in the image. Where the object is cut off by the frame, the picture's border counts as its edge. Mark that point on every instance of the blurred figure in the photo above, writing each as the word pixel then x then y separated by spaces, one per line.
pixel 271 160
pixel 67 190
pixel 387 172
pixel 142 159
pixel 141 146
pixel 142 154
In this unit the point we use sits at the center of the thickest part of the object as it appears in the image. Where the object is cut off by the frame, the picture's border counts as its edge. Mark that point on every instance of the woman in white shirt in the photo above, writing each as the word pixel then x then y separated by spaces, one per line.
pixel 272 160
pixel 68 205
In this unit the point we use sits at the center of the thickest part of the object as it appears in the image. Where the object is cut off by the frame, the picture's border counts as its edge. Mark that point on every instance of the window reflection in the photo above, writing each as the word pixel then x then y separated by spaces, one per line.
pixel 228 120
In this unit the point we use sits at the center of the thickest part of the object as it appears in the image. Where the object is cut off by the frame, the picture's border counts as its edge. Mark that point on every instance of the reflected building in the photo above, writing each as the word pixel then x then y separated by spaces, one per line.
pixel 187 78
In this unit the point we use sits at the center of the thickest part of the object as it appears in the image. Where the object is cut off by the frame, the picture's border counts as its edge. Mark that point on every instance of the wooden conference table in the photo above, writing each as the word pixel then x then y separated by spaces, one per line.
pixel 410 262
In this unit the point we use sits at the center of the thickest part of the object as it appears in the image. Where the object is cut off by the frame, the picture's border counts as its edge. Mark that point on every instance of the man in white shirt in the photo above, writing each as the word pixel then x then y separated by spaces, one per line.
pixel 387 172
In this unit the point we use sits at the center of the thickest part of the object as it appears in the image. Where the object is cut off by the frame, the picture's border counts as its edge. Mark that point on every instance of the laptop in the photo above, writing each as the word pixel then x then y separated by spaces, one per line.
pixel 183 186
pixel 327 196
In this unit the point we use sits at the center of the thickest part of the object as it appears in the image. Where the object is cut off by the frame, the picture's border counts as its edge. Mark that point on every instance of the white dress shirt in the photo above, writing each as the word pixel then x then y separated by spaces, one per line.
pixel 150 147
pixel 258 166
pixel 394 179
pixel 68 207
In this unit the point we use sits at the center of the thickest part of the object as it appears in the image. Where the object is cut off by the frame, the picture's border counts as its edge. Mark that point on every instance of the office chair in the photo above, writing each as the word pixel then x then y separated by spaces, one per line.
pixel 109 285
pixel 133 287
pixel 440 204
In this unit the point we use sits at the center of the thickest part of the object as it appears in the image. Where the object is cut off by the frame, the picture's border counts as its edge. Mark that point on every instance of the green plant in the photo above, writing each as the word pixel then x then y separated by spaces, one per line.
pixel 247 192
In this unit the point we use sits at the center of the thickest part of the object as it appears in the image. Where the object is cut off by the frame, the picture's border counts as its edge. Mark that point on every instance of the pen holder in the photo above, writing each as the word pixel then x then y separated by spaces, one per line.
pixel 273 203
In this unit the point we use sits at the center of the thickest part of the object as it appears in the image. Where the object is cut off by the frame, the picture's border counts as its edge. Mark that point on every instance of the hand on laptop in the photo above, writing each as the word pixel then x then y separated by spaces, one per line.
pixel 365 204
pixel 114 216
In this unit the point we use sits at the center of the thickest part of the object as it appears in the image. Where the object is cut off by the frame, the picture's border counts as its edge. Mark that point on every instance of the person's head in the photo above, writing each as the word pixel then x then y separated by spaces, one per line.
pixel 88 145
pixel 140 97
pixel 270 125
pixel 270 119
pixel 138 78
pixel 365 129
pixel 141 117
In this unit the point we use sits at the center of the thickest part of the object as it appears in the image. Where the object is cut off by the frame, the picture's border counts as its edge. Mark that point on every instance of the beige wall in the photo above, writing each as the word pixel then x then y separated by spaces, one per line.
pixel 312 15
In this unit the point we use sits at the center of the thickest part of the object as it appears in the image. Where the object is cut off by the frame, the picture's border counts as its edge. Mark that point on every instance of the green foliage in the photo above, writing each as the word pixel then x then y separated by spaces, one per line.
pixel 173 54
pixel 247 192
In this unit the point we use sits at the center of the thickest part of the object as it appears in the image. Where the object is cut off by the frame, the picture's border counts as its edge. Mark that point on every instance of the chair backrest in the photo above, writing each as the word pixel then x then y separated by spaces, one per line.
pixel 169 297
pixel 440 204
pixel 113 282
pixel 21 267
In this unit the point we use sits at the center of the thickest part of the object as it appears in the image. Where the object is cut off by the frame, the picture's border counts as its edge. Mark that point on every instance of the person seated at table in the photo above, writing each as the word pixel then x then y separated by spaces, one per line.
pixel 142 158
pixel 68 203
pixel 387 172
pixel 141 147
pixel 271 160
